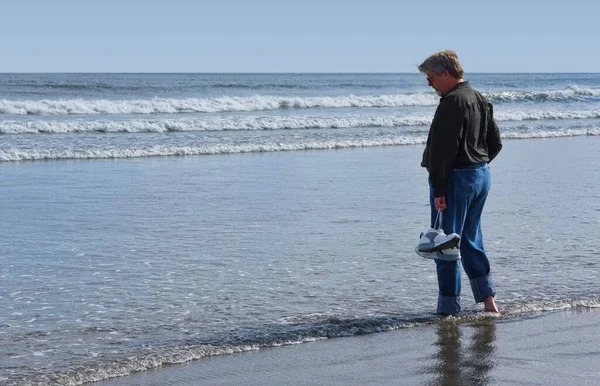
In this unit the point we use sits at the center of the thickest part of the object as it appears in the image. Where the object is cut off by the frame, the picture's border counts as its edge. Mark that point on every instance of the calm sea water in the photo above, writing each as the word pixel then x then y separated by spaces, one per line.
pixel 112 261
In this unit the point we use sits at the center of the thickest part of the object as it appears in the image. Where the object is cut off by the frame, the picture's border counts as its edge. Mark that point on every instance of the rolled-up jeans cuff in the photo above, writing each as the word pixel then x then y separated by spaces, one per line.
pixel 482 287
pixel 448 305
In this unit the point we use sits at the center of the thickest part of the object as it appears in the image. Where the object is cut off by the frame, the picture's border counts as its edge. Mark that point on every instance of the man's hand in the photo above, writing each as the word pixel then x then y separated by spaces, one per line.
pixel 439 203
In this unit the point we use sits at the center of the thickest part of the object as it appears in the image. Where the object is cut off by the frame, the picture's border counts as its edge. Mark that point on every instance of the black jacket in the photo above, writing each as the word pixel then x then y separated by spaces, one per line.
pixel 463 132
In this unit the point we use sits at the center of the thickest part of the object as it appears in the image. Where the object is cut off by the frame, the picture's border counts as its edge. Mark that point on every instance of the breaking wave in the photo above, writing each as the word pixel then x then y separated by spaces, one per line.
pixel 263 122
pixel 571 93
pixel 207 105
pixel 114 152
pixel 266 102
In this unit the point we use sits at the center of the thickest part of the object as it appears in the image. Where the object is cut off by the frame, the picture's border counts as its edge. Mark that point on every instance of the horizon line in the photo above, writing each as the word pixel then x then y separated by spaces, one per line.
pixel 283 72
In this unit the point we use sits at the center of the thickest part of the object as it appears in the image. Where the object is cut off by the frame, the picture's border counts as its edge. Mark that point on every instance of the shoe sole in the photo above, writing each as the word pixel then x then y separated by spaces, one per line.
pixel 447 245
pixel 437 255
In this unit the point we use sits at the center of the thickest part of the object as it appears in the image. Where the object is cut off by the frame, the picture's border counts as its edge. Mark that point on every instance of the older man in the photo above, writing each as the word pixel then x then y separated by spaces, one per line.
pixel 463 139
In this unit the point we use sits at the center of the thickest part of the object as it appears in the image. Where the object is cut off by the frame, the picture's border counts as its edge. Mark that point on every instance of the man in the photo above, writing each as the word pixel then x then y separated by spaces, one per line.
pixel 463 139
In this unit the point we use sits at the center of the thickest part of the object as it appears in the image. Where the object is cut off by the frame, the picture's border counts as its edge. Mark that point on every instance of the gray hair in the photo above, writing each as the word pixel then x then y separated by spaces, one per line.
pixel 442 61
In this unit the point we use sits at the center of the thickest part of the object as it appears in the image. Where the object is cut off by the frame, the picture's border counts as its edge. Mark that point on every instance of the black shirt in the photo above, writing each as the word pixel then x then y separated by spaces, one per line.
pixel 463 132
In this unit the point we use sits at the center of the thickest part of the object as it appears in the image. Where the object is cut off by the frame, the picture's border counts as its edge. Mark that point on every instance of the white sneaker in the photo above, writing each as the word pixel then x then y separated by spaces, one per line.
pixel 433 240
pixel 451 254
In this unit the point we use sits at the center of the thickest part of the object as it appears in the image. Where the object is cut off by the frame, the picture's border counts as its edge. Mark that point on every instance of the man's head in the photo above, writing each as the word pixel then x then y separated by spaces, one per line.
pixel 443 71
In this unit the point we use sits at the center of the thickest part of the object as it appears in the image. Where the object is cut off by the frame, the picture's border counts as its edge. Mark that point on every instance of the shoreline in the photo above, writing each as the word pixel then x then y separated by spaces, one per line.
pixel 554 348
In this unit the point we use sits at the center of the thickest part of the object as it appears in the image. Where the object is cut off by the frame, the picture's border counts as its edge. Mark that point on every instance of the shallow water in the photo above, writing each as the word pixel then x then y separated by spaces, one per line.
pixel 110 267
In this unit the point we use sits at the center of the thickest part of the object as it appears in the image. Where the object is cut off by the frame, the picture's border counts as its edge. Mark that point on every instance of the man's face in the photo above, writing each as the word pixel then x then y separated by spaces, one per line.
pixel 437 81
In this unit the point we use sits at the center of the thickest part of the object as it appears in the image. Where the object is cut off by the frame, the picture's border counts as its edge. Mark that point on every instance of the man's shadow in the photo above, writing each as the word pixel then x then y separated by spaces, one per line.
pixel 458 365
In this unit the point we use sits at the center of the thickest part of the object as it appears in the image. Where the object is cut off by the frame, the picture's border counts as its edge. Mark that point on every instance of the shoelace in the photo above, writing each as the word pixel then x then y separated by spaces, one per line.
pixel 438 220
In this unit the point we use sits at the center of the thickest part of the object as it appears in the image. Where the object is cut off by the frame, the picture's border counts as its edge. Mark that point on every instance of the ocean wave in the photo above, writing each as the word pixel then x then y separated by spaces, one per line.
pixel 208 124
pixel 263 122
pixel 542 114
pixel 252 339
pixel 8 154
pixel 571 93
pixel 207 105
pixel 528 133
pixel 266 102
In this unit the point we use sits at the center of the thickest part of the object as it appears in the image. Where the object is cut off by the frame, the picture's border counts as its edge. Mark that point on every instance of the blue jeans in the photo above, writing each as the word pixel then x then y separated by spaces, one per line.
pixel 466 192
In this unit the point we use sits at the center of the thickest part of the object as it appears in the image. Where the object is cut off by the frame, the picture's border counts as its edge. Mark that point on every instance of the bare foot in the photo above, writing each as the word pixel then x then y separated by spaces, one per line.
pixel 489 305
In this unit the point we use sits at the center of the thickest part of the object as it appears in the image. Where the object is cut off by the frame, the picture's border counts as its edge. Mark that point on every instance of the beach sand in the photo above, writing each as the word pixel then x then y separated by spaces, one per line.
pixel 556 348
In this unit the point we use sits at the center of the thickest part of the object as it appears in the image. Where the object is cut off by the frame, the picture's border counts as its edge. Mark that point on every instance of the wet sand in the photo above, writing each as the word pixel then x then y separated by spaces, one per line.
pixel 555 348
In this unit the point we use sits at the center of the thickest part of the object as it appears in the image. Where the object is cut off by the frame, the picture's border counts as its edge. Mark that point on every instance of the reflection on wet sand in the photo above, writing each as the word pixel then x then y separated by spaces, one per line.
pixel 462 359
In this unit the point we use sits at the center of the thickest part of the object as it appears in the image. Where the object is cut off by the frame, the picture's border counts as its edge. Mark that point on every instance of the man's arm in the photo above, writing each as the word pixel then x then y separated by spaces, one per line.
pixel 494 143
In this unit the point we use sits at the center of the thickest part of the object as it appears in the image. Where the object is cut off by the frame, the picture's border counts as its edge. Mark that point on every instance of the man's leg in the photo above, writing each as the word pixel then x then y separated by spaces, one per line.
pixel 475 260
pixel 448 272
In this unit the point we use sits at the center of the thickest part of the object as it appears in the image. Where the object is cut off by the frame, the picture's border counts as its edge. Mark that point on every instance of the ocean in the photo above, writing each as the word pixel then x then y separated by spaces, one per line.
pixel 122 115
pixel 151 219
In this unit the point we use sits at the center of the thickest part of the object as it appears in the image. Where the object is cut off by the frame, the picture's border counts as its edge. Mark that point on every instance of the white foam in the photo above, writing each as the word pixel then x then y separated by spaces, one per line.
pixel 268 102
pixel 550 133
pixel 209 124
pixel 13 154
pixel 543 114
pixel 209 105
pixel 264 122
pixel 569 93
pixel 49 154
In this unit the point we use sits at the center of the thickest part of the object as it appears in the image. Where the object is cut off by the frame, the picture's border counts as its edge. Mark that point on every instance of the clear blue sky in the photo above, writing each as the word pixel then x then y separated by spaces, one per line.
pixel 296 36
